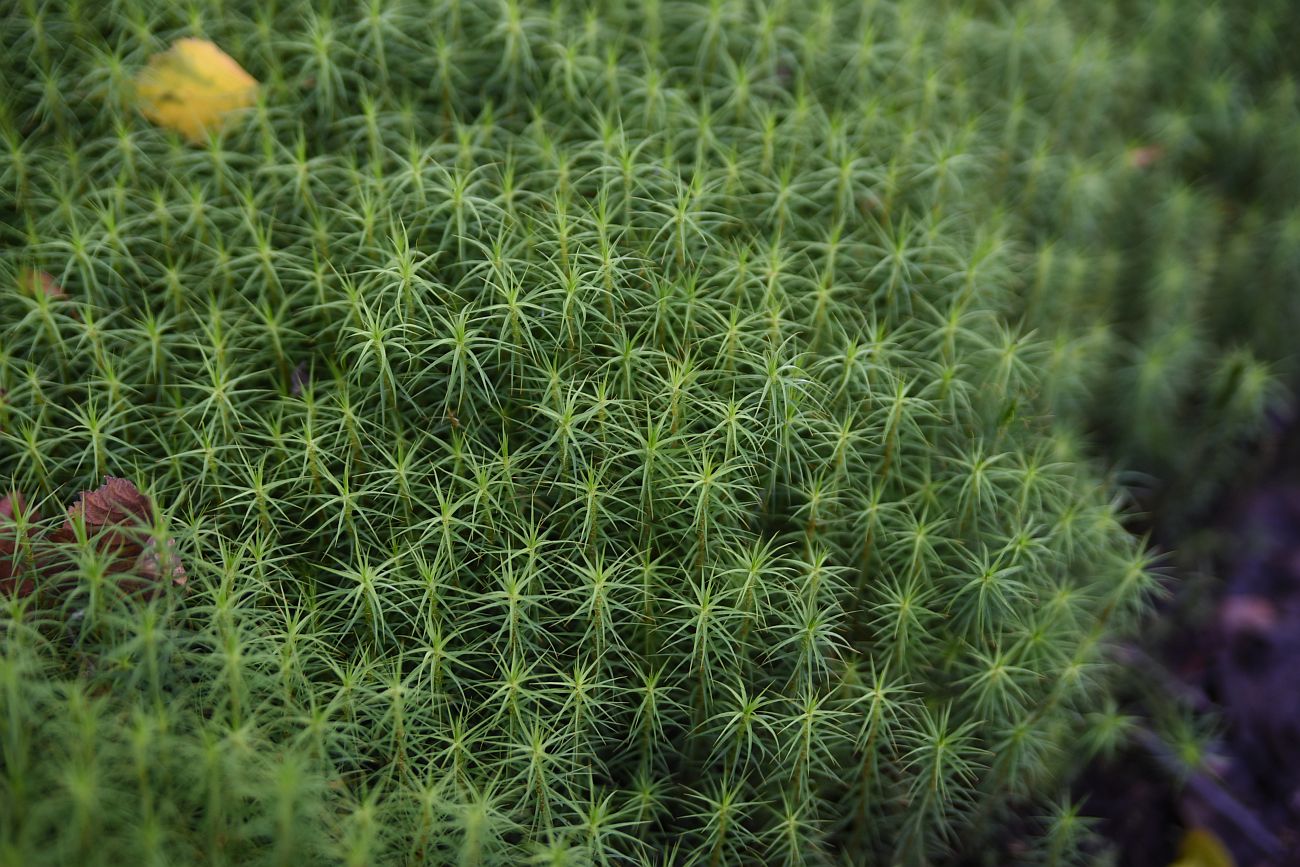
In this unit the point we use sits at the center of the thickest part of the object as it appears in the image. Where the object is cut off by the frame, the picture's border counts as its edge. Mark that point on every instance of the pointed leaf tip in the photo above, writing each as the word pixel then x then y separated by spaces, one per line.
pixel 11 570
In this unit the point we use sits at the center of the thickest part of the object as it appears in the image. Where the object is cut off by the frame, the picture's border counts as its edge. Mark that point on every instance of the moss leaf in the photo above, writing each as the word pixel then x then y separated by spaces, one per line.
pixel 11 571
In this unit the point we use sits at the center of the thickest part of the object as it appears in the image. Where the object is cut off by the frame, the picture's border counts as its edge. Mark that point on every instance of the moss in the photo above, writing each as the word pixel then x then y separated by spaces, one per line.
pixel 601 433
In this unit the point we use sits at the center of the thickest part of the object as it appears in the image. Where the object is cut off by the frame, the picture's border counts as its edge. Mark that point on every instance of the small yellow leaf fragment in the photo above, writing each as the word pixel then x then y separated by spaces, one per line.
pixel 193 87
pixel 1201 848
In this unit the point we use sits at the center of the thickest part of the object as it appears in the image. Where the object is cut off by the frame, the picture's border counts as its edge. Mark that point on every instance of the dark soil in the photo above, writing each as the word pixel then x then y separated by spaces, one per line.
pixel 1226 645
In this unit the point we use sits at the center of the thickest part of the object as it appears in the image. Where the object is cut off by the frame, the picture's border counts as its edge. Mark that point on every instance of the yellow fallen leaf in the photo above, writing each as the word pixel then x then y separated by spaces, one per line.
pixel 1202 849
pixel 192 87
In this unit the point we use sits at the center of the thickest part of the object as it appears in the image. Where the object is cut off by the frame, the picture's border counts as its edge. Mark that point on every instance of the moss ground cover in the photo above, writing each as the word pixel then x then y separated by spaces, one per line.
pixel 599 432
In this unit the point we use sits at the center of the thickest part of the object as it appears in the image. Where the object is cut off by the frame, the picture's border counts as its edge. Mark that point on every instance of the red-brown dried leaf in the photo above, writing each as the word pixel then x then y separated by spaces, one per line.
pixel 116 503
pixel 42 283
pixel 1145 157
pixel 117 515
pixel 1248 613
pixel 11 573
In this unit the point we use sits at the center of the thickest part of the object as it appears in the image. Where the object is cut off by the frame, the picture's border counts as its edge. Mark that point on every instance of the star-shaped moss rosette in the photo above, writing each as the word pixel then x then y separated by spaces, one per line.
pixel 16 522
pixel 119 518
